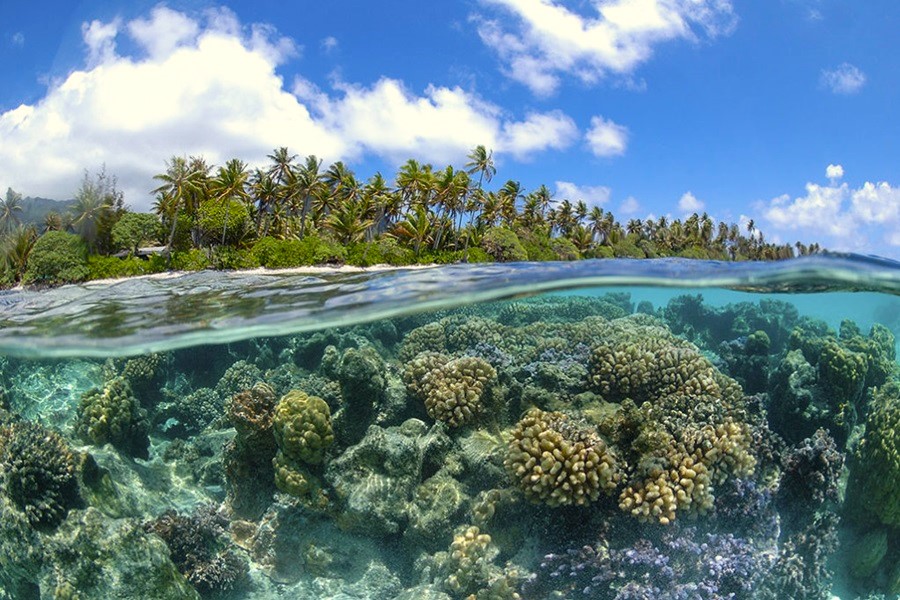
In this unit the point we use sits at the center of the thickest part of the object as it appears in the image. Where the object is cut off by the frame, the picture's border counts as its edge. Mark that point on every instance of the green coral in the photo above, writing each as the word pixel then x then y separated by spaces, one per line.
pixel 559 461
pixel 38 473
pixel 113 415
pixel 302 427
pixel 874 488
pixel 843 370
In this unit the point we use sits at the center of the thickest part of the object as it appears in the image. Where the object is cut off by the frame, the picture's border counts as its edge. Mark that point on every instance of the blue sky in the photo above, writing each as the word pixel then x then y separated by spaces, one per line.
pixel 782 111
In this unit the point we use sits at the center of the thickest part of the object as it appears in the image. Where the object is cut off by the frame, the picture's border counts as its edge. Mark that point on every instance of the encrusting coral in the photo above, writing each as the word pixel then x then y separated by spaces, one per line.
pixel 113 415
pixel 559 461
pixel 38 472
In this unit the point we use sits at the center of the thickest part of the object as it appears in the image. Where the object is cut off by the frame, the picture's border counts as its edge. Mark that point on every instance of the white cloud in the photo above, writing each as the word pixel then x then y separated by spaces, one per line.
pixel 606 138
pixel 834 172
pixel 863 219
pixel 630 206
pixel 100 38
pixel 546 39
pixel 329 44
pixel 593 195
pixel 208 85
pixel 689 203
pixel 164 31
pixel 17 39
pixel 843 79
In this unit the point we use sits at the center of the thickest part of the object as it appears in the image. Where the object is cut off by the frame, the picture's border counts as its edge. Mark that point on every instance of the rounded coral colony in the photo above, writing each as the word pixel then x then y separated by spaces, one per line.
pixel 540 448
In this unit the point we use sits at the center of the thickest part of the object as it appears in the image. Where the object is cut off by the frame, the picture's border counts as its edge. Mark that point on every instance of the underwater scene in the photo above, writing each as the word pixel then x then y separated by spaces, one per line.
pixel 606 430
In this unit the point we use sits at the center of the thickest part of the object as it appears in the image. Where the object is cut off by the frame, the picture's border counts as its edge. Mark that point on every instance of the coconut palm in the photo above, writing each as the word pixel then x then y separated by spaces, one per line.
pixel 15 247
pixel 416 229
pixel 10 209
pixel 183 184
pixel 230 184
pixel 481 161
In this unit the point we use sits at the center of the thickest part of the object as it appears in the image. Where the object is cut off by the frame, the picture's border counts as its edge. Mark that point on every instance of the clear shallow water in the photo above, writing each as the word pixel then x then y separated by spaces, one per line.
pixel 600 429
pixel 157 314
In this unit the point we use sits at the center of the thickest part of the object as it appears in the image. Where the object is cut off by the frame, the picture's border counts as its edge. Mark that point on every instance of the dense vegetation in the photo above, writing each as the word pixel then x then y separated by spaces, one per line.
pixel 294 213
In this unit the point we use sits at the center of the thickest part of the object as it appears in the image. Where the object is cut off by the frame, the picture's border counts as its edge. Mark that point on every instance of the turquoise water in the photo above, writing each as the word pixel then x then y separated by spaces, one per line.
pixel 598 429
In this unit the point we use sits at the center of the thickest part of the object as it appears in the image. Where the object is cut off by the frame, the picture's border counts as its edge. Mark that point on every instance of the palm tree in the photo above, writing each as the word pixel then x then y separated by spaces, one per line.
pixel 509 196
pixel 349 221
pixel 481 161
pixel 282 164
pixel 89 208
pixel 183 184
pixel 16 246
pixel 309 185
pixel 264 190
pixel 10 209
pixel 230 184
pixel 416 228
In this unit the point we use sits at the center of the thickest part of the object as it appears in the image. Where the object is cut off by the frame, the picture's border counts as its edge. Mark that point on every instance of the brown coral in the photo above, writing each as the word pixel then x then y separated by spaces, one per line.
pixel 560 461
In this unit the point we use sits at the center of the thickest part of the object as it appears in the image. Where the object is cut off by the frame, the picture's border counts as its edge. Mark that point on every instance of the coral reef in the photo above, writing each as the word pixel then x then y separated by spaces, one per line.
pixel 559 461
pixel 200 550
pixel 249 474
pixel 38 473
pixel 874 488
pixel 113 415
pixel 302 427
pixel 453 390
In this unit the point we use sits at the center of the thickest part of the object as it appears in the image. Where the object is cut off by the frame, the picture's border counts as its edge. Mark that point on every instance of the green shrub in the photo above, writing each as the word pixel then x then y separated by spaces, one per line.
pixel 383 251
pixel 311 250
pixel 190 260
pixel 211 219
pixel 113 267
pixel 57 257
pixel 600 252
pixel 564 249
pixel 627 249
pixel 230 258
pixel 536 244
pixel 503 245
pixel 693 252
pixel 133 229
pixel 477 255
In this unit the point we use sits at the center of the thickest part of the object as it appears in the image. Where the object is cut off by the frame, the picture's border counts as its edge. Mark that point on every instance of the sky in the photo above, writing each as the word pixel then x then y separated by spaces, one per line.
pixel 780 111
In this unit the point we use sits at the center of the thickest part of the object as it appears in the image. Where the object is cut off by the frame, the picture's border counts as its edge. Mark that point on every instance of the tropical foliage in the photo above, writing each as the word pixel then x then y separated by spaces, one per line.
pixel 294 211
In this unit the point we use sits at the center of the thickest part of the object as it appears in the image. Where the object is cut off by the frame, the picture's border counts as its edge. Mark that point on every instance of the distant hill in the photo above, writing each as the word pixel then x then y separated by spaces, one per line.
pixel 34 209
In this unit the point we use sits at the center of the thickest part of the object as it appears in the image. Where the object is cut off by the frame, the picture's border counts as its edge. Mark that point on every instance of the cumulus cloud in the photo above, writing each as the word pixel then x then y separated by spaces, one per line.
pixel 689 203
pixel 834 172
pixel 606 138
pixel 209 85
pixel 593 195
pixel 545 39
pixel 843 79
pixel 840 217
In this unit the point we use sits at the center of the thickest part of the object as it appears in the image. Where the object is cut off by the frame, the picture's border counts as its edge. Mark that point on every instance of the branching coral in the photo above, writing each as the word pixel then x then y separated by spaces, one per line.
pixel 201 550
pixel 38 473
pixel 453 389
pixel 113 415
pixel 560 461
